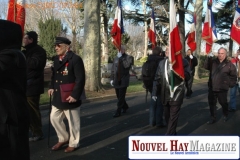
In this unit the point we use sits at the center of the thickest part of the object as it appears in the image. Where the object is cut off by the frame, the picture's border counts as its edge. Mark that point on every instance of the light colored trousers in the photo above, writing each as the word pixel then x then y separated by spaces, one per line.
pixel 73 117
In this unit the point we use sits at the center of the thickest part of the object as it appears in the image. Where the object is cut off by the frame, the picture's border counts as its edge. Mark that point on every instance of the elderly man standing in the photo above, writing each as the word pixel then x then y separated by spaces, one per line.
pixel 120 79
pixel 223 74
pixel 67 86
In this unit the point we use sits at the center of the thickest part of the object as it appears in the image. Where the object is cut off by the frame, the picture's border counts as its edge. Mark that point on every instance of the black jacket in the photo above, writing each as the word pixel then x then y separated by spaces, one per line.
pixel 222 75
pixel 192 63
pixel 125 62
pixel 76 73
pixel 157 59
pixel 160 82
pixel 36 61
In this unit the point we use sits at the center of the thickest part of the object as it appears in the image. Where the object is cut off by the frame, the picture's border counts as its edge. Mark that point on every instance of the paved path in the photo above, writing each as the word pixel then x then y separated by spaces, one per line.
pixel 106 138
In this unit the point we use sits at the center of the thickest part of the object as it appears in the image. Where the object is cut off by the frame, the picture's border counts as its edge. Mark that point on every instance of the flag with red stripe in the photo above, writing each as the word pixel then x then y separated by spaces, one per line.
pixel 152 31
pixel 16 12
pixel 235 31
pixel 175 56
pixel 117 28
pixel 191 40
pixel 209 33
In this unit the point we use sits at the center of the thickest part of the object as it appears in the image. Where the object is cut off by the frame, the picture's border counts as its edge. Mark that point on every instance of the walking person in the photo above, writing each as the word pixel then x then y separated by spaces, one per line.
pixel 233 90
pixel 68 71
pixel 156 107
pixel 120 79
pixel 36 61
pixel 223 74
pixel 193 62
pixel 171 105
pixel 14 112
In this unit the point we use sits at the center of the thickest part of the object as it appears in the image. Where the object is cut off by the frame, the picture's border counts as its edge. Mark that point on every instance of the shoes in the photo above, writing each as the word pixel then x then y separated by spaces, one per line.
pixel 59 145
pixel 69 149
pixel 117 114
pixel 35 138
pixel 188 97
pixel 211 121
pixel 231 110
pixel 225 118
pixel 125 110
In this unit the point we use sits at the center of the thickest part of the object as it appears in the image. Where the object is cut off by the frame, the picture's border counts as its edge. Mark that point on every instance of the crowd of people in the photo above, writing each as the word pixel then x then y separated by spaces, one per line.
pixel 23 83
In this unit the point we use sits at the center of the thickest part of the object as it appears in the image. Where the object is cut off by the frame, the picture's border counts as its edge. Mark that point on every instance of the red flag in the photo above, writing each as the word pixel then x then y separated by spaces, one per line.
pixel 209 30
pixel 117 28
pixel 235 31
pixel 191 40
pixel 152 31
pixel 175 56
pixel 16 12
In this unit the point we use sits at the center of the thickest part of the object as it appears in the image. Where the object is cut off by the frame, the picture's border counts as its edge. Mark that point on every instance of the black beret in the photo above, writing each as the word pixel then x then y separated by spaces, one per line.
pixel 33 35
pixel 60 40
pixel 10 35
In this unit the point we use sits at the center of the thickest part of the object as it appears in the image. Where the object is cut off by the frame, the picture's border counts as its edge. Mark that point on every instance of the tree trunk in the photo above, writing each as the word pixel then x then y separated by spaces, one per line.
pixel 74 40
pixel 104 32
pixel 145 28
pixel 91 49
pixel 198 10
pixel 181 25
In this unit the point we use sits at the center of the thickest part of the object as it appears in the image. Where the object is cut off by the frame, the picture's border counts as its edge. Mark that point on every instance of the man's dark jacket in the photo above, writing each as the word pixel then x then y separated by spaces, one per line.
pixel 36 61
pixel 222 75
pixel 192 63
pixel 124 62
pixel 160 82
pixel 76 74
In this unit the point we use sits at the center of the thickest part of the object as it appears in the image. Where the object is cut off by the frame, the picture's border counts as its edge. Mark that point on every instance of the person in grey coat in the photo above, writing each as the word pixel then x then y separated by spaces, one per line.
pixel 120 79
pixel 14 113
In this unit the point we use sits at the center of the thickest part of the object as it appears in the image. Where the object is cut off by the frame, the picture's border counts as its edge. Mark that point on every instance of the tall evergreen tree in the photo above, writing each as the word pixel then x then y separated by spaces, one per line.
pixel 48 30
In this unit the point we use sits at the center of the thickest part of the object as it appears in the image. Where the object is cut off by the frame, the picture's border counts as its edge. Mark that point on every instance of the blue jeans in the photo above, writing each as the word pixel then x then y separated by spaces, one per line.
pixel 156 112
pixel 233 94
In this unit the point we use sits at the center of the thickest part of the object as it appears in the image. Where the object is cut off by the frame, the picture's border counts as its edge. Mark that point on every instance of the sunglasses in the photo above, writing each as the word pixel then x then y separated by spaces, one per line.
pixel 58 45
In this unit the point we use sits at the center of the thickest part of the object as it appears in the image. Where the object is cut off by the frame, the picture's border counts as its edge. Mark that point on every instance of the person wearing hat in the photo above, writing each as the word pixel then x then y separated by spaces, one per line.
pixel 14 112
pixel 68 69
pixel 36 61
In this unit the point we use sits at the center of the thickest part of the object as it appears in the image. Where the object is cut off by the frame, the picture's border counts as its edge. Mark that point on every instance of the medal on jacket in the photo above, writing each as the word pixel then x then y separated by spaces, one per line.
pixel 65 72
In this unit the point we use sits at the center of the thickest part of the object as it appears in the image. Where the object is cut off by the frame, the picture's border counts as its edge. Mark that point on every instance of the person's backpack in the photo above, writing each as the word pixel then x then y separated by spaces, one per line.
pixel 148 73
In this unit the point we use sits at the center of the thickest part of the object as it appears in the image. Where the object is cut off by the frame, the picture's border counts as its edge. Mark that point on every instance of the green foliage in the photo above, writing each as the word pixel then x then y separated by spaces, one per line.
pixel 112 49
pixel 48 30
pixel 143 59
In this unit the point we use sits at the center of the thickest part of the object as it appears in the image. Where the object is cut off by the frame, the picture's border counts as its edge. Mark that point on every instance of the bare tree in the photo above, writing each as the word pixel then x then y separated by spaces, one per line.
pixel 91 49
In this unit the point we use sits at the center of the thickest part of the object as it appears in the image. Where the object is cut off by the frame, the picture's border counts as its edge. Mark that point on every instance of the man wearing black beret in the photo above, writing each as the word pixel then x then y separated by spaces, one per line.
pixel 36 61
pixel 68 70
pixel 14 113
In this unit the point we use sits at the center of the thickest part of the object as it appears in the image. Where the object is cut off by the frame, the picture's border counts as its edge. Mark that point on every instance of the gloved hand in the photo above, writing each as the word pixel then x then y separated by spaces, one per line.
pixel 111 82
pixel 191 57
pixel 119 54
pixel 210 54
pixel 154 98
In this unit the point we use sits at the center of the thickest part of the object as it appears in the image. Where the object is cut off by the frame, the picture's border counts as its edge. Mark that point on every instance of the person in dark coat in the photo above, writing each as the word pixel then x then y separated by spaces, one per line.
pixel 68 69
pixel 193 62
pixel 14 113
pixel 173 104
pixel 120 79
pixel 156 107
pixel 36 61
pixel 222 76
